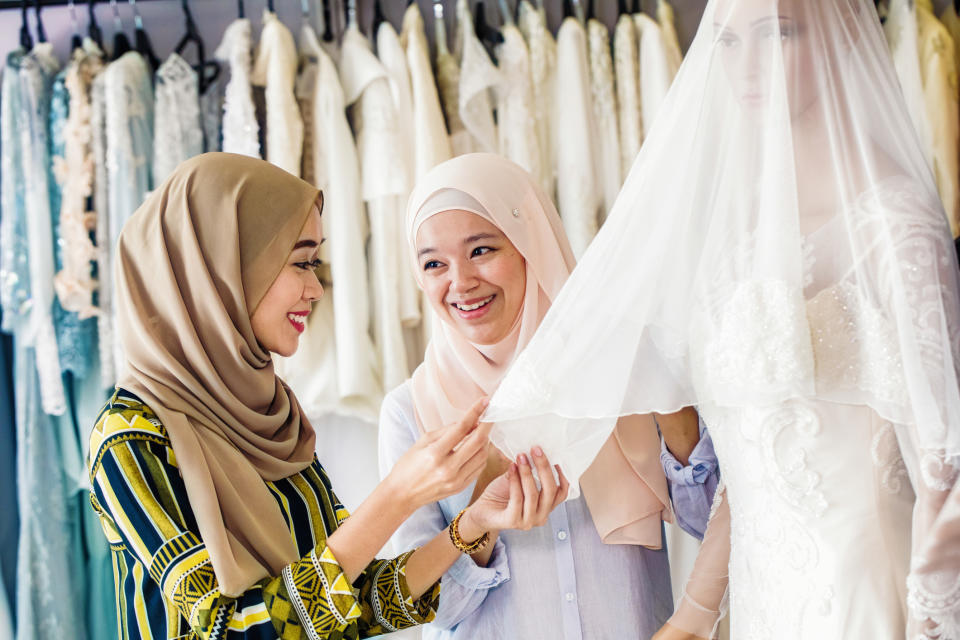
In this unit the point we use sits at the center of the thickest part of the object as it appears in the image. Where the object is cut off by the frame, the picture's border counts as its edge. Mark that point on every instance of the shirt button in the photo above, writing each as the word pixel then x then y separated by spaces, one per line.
pixel 569 597
pixel 562 535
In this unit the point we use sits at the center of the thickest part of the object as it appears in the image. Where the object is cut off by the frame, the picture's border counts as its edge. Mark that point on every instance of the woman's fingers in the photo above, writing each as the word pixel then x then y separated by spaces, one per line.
pixel 515 506
pixel 471 469
pixel 531 497
pixel 564 488
pixel 548 485
pixel 475 441
pixel 454 434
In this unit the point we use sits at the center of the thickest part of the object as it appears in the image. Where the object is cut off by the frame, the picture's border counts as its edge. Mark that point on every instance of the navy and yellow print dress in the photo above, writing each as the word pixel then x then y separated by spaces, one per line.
pixel 166 587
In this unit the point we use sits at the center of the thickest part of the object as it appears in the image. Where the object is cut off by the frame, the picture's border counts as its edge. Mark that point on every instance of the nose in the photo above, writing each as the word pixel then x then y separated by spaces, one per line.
pixel 314 290
pixel 463 277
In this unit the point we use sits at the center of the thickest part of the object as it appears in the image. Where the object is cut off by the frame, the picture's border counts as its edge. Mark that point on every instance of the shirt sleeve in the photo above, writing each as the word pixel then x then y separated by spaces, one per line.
pixel 465 584
pixel 142 501
pixel 692 487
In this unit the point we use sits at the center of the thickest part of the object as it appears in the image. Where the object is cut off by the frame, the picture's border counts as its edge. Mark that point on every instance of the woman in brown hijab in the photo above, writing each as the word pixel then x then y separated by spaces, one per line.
pixel 221 520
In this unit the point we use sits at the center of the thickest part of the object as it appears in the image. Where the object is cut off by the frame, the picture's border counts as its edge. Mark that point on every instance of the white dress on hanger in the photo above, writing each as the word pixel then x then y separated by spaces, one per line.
pixel 239 126
pixel 129 134
pixel 655 67
pixel 276 70
pixel 515 111
pixel 625 64
pixel 579 197
pixel 352 388
pixel 431 141
pixel 607 141
pixel 448 82
pixel 478 77
pixel 384 186
pixel 394 60
pixel 667 20
pixel 543 68
pixel 177 135
pixel 902 33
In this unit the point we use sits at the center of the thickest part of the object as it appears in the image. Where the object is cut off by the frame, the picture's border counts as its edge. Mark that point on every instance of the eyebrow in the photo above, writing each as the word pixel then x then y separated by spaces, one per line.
pixel 723 25
pixel 308 243
pixel 468 240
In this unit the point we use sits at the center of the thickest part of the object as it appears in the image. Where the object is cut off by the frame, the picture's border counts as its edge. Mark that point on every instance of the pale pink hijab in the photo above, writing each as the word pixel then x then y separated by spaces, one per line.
pixel 625 487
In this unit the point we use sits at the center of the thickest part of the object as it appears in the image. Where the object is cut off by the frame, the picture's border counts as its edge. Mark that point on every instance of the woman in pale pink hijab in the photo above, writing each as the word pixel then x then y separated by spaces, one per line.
pixel 491 255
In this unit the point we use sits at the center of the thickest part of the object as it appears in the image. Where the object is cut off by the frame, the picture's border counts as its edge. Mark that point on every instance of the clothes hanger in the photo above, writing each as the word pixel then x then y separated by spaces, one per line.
pixel 350 13
pixel 591 14
pixel 270 6
pixel 76 41
pixel 378 17
pixel 439 27
pixel 327 22
pixel 505 12
pixel 93 28
pixel 484 31
pixel 26 40
pixel 192 35
pixel 41 32
pixel 121 44
pixel 241 12
pixel 144 46
pixel 622 7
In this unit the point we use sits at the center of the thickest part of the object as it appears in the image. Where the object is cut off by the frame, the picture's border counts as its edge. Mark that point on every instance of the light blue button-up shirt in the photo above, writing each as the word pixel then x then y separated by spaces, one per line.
pixel 559 581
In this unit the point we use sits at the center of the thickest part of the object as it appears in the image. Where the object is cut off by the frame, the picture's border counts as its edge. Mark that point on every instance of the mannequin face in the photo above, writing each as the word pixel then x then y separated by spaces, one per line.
pixel 748 34
pixel 473 276
pixel 281 316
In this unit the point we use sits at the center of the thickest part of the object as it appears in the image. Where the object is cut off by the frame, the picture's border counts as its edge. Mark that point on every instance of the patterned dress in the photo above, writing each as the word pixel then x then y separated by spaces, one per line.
pixel 166 587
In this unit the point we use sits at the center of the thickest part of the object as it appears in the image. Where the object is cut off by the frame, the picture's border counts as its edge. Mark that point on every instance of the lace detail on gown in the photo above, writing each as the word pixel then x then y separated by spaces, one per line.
pixel 607 140
pixel 543 68
pixel 177 134
pixel 518 140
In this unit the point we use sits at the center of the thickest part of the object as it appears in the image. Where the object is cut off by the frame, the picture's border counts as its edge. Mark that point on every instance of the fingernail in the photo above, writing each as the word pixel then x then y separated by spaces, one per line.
pixel 485 403
pixel 522 458
pixel 513 467
pixel 537 451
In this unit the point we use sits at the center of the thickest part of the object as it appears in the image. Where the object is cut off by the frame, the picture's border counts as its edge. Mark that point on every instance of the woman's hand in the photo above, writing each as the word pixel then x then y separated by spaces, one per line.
pixel 512 500
pixel 442 462
pixel 680 431
pixel 668 632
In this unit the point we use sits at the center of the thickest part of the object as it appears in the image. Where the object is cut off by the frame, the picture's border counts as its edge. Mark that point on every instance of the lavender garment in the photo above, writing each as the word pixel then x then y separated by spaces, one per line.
pixel 692 486
pixel 558 581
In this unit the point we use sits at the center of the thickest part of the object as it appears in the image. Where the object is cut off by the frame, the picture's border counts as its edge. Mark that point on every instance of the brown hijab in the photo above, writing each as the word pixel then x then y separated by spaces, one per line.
pixel 193 263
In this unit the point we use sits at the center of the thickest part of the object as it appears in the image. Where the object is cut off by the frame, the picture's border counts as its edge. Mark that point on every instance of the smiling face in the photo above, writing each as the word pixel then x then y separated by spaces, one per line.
pixel 747 34
pixel 281 316
pixel 471 274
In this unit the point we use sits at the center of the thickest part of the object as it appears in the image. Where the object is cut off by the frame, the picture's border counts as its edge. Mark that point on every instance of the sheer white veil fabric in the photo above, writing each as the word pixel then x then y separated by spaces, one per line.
pixel 784 136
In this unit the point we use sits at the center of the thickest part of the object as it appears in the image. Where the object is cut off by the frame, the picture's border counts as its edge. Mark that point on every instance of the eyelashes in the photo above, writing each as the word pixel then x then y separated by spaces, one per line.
pixel 309 266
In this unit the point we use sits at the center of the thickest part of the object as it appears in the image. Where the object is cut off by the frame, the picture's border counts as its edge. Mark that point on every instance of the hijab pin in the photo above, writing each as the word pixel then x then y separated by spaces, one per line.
pixel 516 213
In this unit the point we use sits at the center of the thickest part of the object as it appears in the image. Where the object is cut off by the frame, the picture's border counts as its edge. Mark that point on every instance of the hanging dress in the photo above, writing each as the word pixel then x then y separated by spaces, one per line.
pixel 515 110
pixel 128 121
pixel 239 128
pixel 655 67
pixel 579 196
pixel 275 69
pixel 448 82
pixel 478 77
pixel 384 186
pixel 543 68
pixel 668 28
pixel 177 134
pixel 606 143
pixel 431 141
pixel 49 568
pixel 394 60
pixel 352 387
pixel 625 64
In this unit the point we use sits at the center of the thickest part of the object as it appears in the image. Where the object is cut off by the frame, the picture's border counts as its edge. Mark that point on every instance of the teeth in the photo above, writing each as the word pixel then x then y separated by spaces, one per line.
pixel 473 307
pixel 297 320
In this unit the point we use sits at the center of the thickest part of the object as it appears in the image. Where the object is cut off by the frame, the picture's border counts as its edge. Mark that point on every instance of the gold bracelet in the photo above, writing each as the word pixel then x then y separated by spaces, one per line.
pixel 466 547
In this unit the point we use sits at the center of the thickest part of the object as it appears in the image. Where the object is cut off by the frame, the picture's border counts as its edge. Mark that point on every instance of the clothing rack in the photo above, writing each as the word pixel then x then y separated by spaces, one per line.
pixel 31 4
